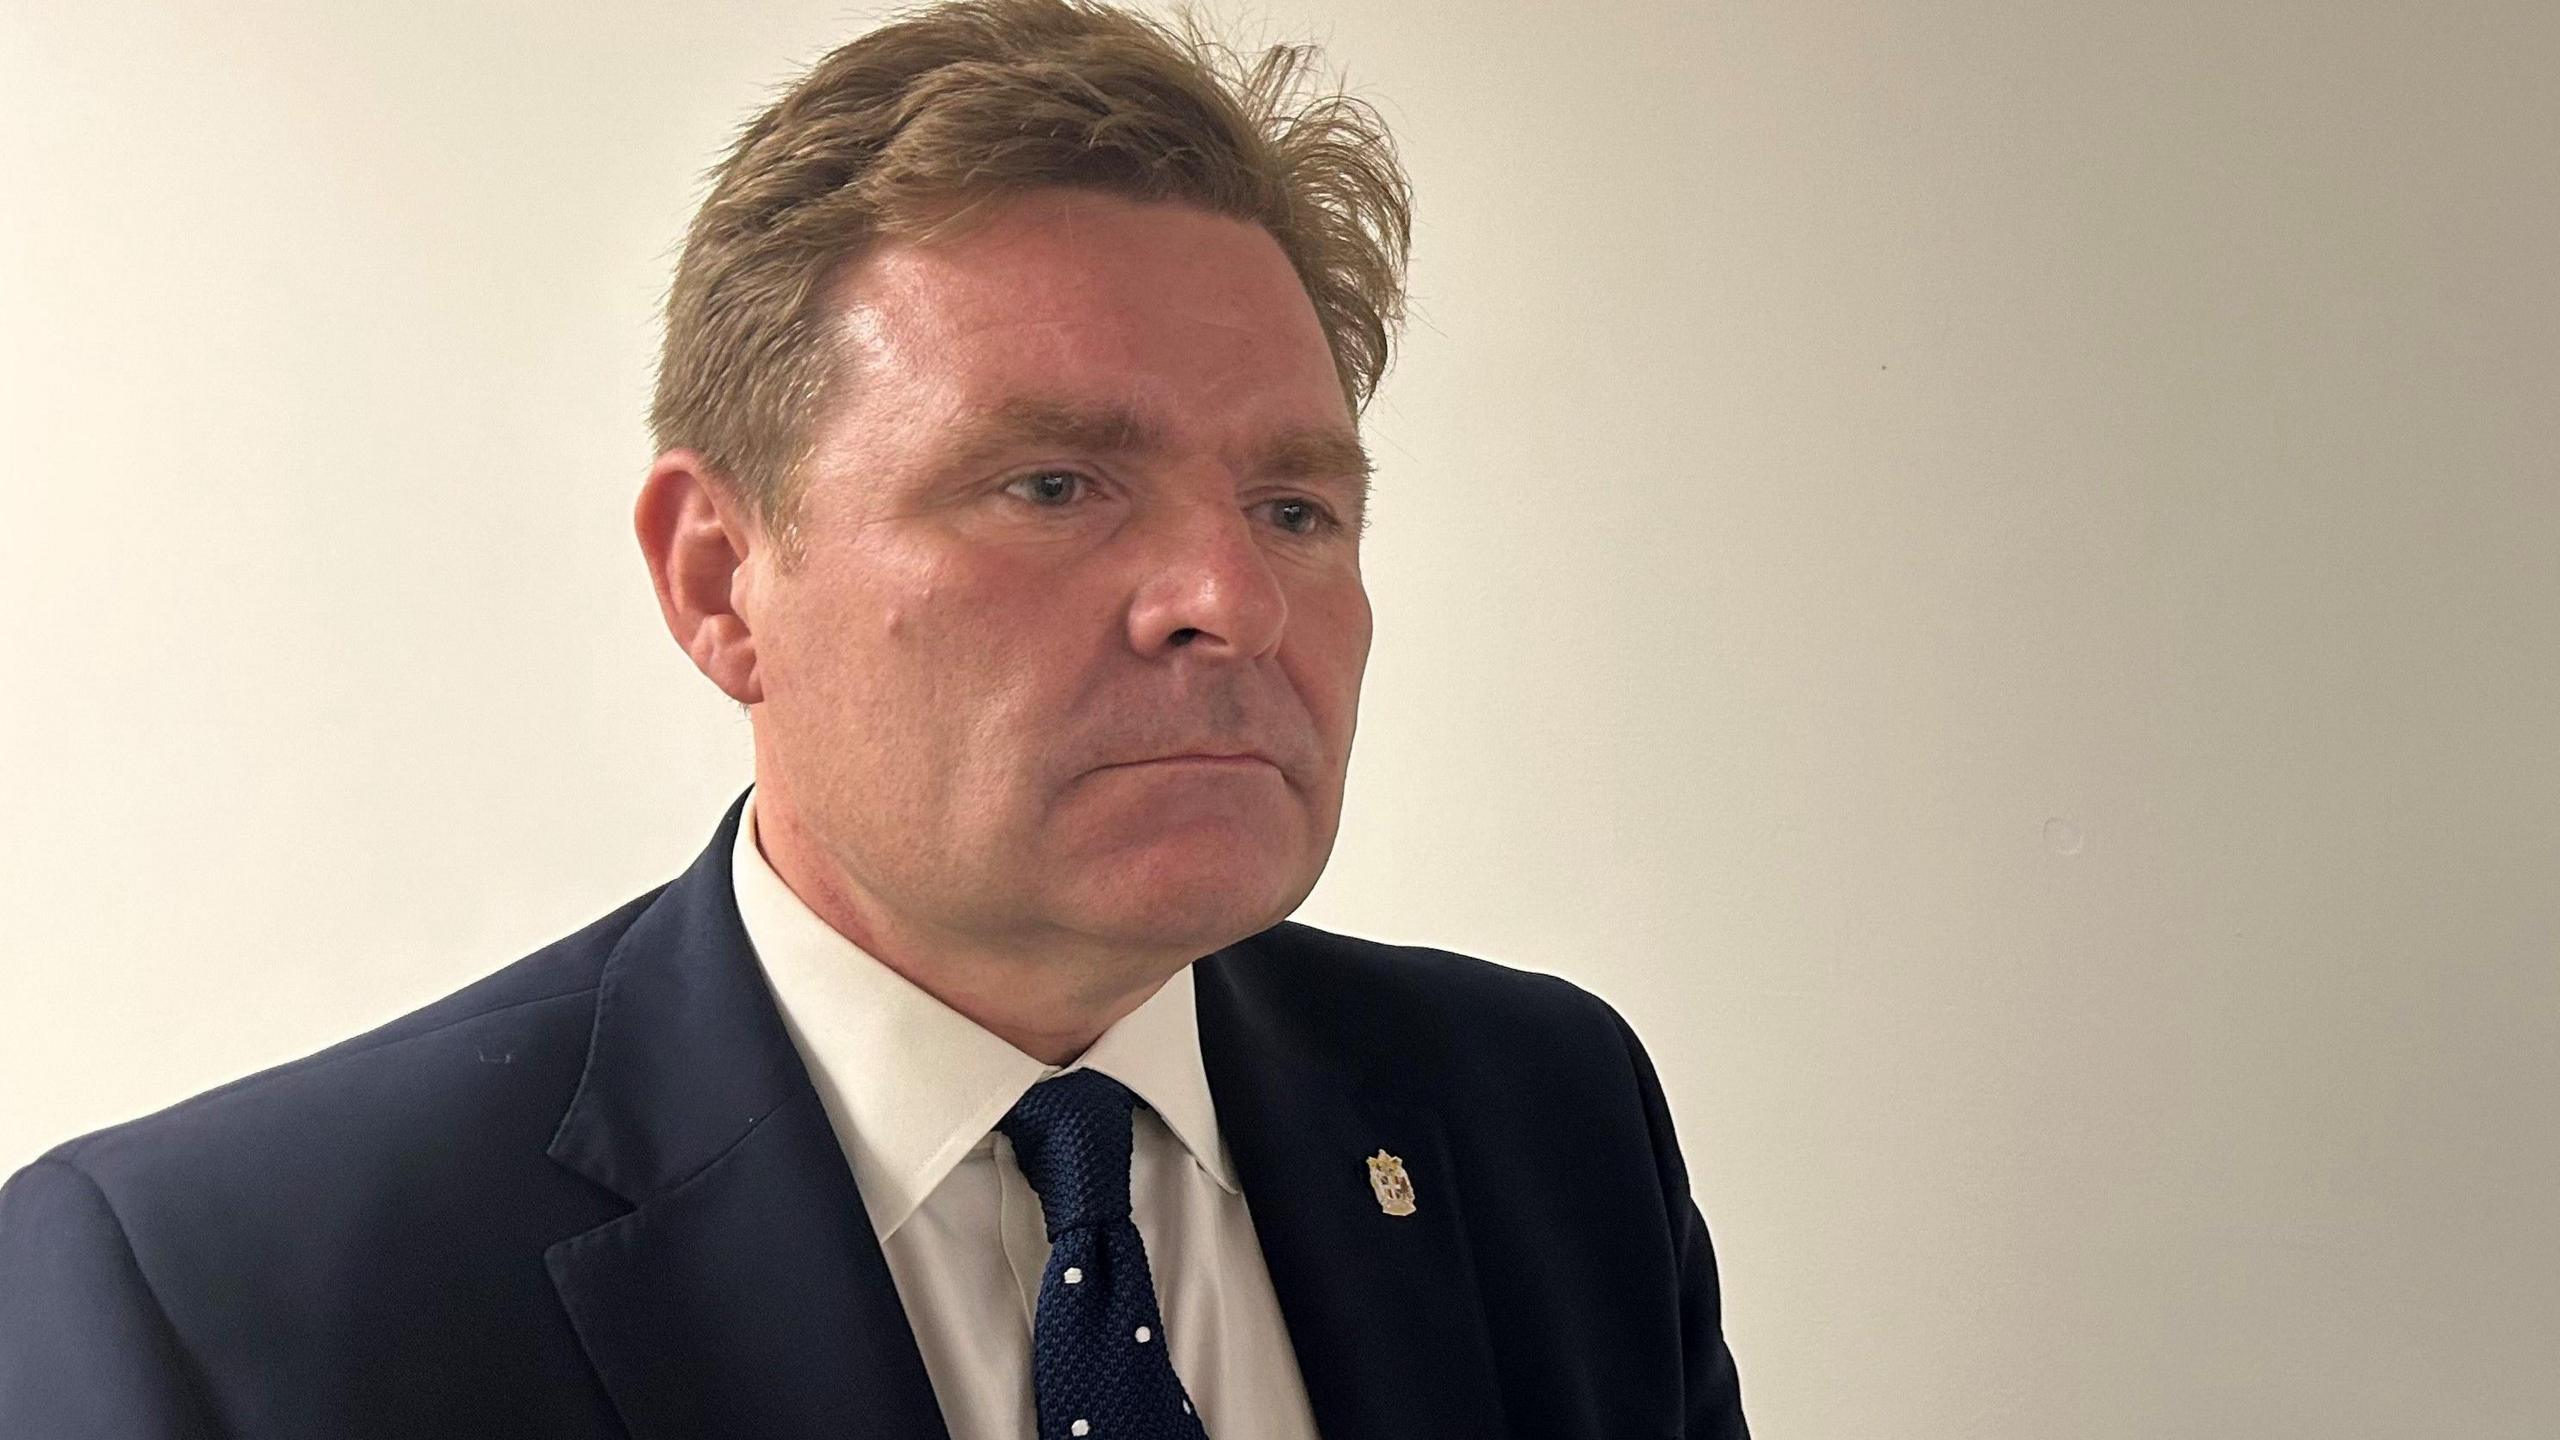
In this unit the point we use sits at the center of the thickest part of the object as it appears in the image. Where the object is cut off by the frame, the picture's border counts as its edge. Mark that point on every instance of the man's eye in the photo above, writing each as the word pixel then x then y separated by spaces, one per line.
pixel 1048 487
pixel 1301 517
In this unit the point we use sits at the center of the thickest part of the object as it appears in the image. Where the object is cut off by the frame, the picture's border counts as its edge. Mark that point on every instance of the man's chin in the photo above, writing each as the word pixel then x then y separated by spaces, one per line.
pixel 1195 908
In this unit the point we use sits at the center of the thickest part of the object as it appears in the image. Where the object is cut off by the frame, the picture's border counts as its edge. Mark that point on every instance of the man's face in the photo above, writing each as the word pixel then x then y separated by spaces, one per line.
pixel 1086 511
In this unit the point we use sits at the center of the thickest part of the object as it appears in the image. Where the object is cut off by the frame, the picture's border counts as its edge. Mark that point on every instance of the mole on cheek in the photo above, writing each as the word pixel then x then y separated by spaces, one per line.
pixel 907 618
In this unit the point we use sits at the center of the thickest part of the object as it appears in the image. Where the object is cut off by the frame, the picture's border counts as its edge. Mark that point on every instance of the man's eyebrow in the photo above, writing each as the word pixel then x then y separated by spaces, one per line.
pixel 1315 454
pixel 1024 422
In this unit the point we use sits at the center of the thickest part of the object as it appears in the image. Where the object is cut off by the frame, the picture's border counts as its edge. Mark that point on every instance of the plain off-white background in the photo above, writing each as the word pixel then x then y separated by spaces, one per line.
pixel 1989 572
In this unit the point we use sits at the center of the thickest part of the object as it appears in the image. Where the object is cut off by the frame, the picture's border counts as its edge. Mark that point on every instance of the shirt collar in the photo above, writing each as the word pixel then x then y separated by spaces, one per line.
pixel 912 1085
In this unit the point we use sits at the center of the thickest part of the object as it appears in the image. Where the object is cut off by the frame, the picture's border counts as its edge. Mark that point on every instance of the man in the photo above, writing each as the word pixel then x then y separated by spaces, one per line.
pixel 971 1082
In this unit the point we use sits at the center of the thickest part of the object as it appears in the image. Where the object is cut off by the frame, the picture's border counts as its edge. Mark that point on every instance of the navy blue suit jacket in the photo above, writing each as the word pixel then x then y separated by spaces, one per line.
pixel 594 1195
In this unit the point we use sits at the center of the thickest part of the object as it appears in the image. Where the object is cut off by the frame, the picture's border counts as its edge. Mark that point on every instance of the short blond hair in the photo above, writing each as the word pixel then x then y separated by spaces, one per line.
pixel 902 132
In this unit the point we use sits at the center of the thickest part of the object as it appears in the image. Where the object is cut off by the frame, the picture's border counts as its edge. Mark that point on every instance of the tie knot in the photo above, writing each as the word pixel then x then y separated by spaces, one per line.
pixel 1070 1134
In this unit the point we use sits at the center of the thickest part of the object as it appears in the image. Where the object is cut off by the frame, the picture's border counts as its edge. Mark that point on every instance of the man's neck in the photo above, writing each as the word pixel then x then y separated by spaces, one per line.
pixel 1051 1005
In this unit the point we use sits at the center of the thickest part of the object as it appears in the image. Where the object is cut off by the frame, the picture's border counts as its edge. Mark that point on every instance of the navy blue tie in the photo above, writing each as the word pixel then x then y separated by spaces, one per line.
pixel 1099 1366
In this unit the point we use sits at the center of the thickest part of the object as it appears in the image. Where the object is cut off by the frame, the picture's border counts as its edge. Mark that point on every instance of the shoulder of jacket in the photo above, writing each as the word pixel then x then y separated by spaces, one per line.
pixel 551 990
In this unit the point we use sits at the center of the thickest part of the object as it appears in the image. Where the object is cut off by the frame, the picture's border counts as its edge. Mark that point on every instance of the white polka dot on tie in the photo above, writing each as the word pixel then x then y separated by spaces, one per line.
pixel 1145 1334
pixel 1074 1276
pixel 1081 1427
pixel 1186 1407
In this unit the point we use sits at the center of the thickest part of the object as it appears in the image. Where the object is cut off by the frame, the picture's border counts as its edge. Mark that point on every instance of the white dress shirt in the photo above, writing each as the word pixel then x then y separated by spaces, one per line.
pixel 914 1090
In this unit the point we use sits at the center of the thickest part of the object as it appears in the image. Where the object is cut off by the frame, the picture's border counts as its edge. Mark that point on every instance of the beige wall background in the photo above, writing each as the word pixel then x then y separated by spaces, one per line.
pixel 1989 572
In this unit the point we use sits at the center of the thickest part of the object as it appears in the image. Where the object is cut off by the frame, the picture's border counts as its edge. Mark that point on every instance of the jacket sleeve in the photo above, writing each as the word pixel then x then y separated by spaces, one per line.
pixel 1714 1390
pixel 85 1349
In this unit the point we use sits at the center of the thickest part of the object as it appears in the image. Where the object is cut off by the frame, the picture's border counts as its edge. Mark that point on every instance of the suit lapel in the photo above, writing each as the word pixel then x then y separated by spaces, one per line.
pixel 1383 1310
pixel 745 1293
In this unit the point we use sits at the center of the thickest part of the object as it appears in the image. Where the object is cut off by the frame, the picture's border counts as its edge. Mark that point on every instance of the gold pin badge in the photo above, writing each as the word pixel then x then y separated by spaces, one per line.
pixel 1394 1187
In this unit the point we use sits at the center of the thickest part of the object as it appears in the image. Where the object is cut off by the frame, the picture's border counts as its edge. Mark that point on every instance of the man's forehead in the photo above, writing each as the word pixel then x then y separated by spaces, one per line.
pixel 1052 243
pixel 1091 324
pixel 1086 265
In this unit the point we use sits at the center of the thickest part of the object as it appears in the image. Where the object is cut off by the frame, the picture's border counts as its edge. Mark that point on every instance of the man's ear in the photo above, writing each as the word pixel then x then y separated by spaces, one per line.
pixel 697 537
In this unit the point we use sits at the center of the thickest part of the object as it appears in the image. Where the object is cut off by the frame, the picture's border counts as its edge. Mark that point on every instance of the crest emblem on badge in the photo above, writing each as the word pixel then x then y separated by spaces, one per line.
pixel 1394 1188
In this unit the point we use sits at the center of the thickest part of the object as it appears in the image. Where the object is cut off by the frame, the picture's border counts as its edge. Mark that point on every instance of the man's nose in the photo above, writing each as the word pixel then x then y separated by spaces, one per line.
pixel 1206 583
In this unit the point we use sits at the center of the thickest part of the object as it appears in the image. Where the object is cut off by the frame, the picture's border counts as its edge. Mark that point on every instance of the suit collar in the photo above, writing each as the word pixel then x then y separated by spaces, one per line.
pixel 744 1294
pixel 687 1054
